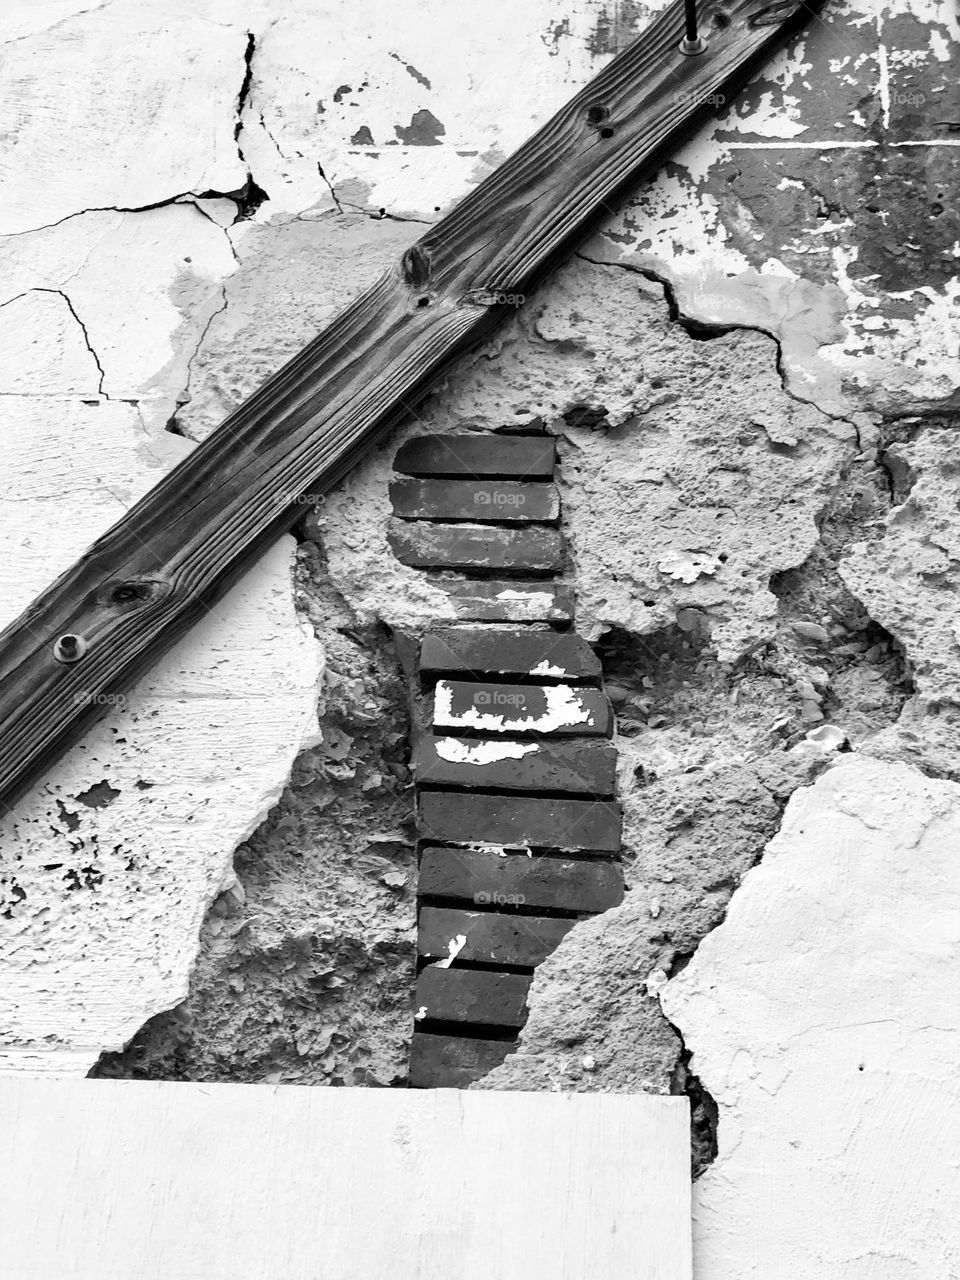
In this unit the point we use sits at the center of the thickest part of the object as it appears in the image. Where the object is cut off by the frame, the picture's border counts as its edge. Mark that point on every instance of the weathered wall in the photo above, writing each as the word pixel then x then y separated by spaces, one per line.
pixel 752 370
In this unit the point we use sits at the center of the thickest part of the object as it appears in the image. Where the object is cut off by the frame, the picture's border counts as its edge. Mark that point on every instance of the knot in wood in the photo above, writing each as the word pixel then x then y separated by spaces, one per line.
pixel 416 266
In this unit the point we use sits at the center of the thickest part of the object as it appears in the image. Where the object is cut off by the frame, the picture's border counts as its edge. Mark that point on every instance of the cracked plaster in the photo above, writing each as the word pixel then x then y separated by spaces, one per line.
pixel 809 211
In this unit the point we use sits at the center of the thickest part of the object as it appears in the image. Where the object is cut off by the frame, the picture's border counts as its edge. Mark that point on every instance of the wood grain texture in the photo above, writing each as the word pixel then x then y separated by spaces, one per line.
pixel 142 1180
pixel 175 551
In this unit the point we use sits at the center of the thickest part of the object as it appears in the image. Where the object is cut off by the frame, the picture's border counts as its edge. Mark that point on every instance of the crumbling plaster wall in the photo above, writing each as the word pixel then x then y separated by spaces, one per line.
pixel 752 370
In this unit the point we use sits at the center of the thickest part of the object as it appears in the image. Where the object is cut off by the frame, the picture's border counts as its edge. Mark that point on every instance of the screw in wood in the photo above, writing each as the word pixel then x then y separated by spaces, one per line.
pixel 692 43
pixel 69 648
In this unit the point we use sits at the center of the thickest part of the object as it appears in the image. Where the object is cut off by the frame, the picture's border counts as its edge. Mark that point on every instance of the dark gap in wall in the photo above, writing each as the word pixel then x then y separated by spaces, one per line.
pixel 704 1113
pixel 251 195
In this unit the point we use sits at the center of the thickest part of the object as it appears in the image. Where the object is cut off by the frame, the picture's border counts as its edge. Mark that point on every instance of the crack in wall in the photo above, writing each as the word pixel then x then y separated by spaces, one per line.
pixel 172 424
pixel 704 1112
pixel 329 185
pixel 251 195
pixel 86 337
pixel 59 293
pixel 701 331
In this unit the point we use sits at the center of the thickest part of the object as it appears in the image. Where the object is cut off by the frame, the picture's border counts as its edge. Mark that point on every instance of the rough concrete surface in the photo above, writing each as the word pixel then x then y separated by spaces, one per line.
pixel 906 575
pixel 307 963
pixel 752 374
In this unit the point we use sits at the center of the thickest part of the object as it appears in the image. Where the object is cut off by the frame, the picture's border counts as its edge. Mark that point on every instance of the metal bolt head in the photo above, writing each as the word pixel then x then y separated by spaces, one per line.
pixel 69 648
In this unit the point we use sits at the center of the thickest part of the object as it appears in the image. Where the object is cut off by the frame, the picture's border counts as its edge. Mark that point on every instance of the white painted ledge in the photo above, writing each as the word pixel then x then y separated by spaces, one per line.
pixel 108 1180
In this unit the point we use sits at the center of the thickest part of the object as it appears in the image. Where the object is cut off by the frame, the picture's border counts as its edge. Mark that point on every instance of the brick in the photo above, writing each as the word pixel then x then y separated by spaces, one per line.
pixel 478 455
pixel 480 996
pixel 463 817
pixel 582 765
pixel 453 1062
pixel 522 708
pixel 492 937
pixel 505 501
pixel 545 883
pixel 519 651
pixel 506 601
pixel 424 545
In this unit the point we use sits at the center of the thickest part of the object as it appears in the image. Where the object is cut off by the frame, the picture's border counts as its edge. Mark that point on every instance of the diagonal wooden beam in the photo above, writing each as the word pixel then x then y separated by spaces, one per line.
pixel 146 580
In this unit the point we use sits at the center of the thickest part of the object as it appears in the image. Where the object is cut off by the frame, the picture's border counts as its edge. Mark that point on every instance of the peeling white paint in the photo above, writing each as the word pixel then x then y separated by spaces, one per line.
pixel 454 947
pixel 488 751
pixel 546 668
pixel 112 861
pixel 120 106
pixel 564 708
pixel 687 566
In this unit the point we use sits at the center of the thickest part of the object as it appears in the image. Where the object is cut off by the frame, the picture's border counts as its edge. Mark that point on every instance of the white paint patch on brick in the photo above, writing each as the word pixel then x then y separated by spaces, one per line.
pixel 546 668
pixel 564 709
pixel 461 751
pixel 822 1016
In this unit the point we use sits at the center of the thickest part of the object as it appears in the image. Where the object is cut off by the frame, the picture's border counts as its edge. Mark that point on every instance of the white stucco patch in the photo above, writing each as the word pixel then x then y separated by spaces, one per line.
pixel 123 105
pixel 42 348
pixel 822 1016
pixel 143 286
pixel 109 864
pixel 404 107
